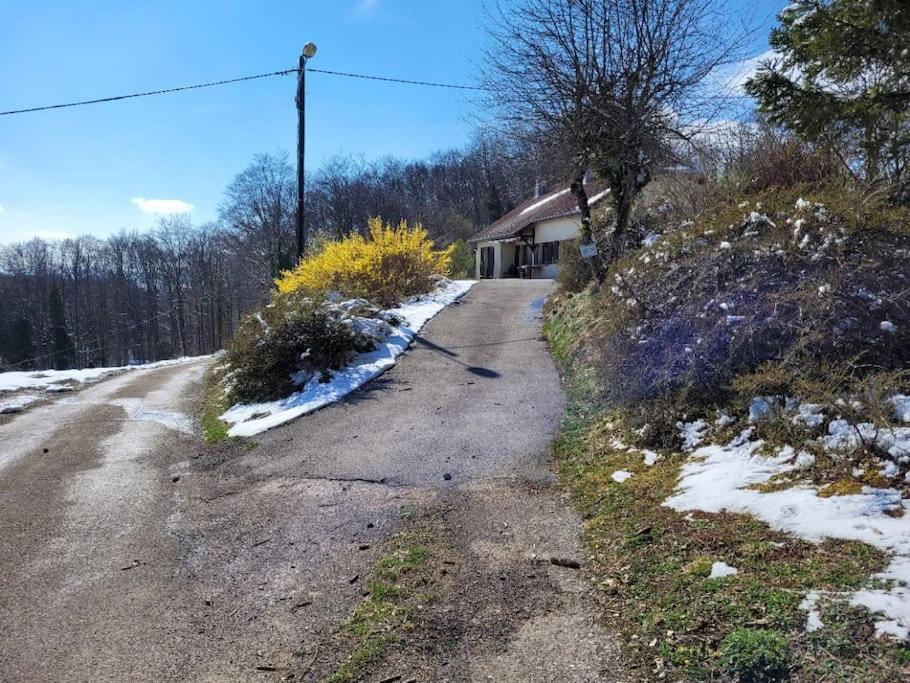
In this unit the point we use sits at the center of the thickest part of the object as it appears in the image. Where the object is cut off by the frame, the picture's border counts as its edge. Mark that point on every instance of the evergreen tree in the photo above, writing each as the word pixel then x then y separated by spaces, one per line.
pixel 61 344
pixel 843 78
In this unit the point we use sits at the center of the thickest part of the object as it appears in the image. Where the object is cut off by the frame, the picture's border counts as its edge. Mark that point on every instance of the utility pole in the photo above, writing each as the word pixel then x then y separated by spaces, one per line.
pixel 308 51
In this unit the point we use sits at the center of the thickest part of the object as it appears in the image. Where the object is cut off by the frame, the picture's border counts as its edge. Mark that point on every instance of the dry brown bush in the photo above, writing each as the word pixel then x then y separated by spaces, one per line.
pixel 756 283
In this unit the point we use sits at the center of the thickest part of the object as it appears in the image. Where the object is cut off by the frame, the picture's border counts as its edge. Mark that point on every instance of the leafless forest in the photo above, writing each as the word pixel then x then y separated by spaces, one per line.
pixel 181 288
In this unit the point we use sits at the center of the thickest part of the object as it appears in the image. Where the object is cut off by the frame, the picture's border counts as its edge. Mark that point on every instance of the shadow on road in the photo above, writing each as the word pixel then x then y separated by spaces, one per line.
pixel 486 373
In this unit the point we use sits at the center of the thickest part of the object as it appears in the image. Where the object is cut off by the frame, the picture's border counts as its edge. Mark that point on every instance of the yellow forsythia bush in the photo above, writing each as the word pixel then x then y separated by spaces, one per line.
pixel 386 266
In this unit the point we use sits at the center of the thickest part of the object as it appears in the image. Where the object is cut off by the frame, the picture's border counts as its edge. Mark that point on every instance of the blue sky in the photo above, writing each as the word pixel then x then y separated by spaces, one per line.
pixel 85 170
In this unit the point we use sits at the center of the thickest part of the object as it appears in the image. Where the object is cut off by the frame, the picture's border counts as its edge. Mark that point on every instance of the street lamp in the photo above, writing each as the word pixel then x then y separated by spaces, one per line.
pixel 309 51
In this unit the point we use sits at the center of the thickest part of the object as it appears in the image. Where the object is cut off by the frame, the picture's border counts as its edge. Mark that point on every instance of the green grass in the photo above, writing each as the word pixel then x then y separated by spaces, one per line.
pixel 214 403
pixel 396 586
pixel 653 563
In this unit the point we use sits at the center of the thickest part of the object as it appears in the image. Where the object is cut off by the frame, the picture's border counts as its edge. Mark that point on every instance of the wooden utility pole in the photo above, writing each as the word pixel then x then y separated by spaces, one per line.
pixel 308 51
pixel 301 142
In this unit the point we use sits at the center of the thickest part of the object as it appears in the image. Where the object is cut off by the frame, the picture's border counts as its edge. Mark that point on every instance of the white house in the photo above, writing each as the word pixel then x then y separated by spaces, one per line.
pixel 525 242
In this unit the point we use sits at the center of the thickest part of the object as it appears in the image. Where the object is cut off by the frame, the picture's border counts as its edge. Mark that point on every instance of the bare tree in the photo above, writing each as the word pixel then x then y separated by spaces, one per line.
pixel 259 210
pixel 613 84
pixel 181 288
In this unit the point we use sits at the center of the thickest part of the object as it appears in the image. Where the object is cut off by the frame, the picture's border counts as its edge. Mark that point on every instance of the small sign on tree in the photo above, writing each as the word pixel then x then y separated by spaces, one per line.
pixel 587 249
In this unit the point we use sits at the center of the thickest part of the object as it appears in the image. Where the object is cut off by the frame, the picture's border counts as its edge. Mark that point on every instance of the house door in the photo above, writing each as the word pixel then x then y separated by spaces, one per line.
pixel 487 257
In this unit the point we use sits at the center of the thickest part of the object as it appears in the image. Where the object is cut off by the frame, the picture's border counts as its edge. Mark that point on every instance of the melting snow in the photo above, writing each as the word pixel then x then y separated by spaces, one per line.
pixel 901 407
pixel 52 380
pixel 17 404
pixel 253 418
pixel 650 457
pixel 692 433
pixel 650 239
pixel 721 569
pixel 620 476
pixel 759 407
pixel 809 604
pixel 719 478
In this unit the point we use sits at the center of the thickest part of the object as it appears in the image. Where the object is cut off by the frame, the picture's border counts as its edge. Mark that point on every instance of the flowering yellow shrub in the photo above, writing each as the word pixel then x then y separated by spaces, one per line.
pixel 387 265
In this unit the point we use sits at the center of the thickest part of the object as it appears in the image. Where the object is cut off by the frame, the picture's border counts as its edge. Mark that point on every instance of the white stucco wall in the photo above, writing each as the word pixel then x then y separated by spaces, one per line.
pixel 554 230
pixel 557 229
pixel 503 257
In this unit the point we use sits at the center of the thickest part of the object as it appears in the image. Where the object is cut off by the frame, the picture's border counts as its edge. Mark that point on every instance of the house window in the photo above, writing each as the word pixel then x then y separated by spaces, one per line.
pixel 549 252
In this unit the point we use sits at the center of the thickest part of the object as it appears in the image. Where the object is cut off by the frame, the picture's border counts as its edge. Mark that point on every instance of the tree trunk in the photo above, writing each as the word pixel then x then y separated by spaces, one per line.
pixel 595 263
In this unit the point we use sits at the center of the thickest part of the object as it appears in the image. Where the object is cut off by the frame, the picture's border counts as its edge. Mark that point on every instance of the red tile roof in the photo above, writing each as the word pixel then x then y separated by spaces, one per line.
pixel 557 204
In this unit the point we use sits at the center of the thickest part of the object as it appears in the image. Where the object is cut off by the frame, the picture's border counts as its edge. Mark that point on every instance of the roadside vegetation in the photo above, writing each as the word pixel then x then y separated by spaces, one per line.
pixel 214 403
pixel 653 565
pixel 324 312
pixel 398 585
pixel 386 265
pixel 776 321
pixel 736 358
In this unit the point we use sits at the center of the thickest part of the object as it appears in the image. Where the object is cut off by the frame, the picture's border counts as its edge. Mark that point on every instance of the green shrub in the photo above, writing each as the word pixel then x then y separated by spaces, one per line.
pixel 462 260
pixel 292 335
pixel 574 273
pixel 755 655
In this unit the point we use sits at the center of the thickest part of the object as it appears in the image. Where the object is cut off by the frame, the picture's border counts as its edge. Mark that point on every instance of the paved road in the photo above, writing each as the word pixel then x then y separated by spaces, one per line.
pixel 129 551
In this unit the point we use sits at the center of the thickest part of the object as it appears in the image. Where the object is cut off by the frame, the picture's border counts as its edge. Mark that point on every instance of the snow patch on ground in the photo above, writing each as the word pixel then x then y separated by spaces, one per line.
pixel 17 404
pixel 721 569
pixel 650 457
pixel 692 433
pixel 248 419
pixel 901 407
pixel 136 410
pixel 53 381
pixel 810 605
pixel 721 478
pixel 620 476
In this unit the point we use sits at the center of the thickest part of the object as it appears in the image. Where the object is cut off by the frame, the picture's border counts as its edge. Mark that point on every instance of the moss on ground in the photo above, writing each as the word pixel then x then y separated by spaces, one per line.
pixel 397 585
pixel 652 564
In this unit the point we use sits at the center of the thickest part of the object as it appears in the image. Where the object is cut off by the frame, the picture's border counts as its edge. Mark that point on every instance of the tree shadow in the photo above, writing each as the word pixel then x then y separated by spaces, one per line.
pixel 450 355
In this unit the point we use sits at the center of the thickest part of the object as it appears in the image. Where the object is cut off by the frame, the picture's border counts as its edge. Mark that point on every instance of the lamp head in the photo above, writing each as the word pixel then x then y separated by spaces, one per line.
pixel 309 50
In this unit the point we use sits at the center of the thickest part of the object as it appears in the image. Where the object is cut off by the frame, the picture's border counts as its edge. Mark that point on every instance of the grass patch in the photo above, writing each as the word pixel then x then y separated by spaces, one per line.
pixel 397 585
pixel 214 403
pixel 755 655
pixel 653 563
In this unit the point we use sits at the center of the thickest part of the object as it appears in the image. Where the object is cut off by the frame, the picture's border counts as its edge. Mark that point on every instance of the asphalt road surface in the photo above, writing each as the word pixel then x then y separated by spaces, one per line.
pixel 130 551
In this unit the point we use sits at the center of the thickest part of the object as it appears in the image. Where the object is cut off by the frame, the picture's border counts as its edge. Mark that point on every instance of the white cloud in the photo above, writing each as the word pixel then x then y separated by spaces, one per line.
pixel 730 79
pixel 366 6
pixel 3 210
pixel 162 207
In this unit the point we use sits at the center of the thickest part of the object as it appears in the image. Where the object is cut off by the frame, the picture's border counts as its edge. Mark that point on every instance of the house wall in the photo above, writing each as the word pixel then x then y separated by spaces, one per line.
pixel 506 256
pixel 556 230
pixel 503 257
pixel 497 259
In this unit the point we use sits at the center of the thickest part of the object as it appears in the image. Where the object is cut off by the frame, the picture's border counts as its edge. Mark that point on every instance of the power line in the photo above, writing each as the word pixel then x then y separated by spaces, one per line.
pixel 397 80
pixel 229 81
pixel 148 93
